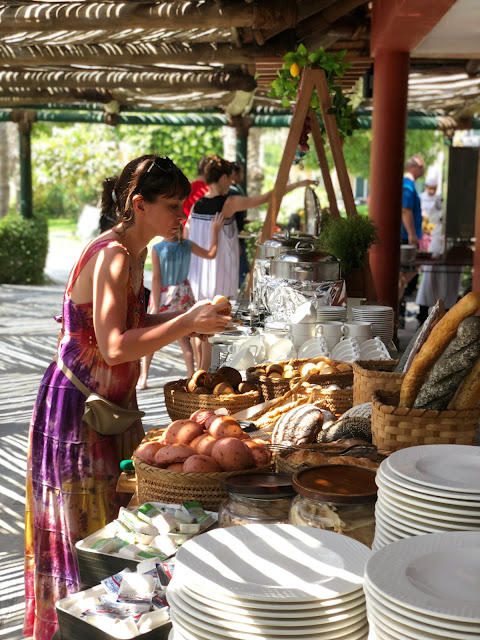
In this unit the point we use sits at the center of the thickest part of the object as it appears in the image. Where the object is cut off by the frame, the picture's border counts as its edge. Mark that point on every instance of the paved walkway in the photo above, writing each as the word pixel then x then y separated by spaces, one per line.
pixel 28 338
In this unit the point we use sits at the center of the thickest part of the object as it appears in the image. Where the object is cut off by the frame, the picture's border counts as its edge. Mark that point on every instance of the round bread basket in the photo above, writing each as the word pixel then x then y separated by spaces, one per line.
pixel 181 404
pixel 370 375
pixel 272 388
pixel 175 487
pixel 395 427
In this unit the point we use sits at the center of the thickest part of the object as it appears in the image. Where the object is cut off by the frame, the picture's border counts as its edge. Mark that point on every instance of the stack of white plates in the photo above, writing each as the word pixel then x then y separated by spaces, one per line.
pixel 425 588
pixel 381 319
pixel 269 582
pixel 426 489
pixel 331 313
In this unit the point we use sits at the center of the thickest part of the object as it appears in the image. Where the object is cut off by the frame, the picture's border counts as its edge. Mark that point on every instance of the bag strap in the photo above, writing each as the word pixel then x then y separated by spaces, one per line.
pixel 72 377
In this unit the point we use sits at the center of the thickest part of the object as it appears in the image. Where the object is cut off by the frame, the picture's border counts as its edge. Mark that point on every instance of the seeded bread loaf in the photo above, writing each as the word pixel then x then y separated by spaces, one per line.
pixel 451 368
pixel 436 343
pixel 468 393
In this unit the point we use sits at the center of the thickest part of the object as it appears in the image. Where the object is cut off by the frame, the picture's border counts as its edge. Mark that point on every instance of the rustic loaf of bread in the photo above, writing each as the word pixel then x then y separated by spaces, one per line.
pixel 467 395
pixel 436 314
pixel 436 342
pixel 451 368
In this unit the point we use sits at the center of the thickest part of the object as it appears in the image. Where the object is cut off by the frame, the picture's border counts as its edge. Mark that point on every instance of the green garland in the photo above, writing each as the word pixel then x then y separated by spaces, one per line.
pixel 287 84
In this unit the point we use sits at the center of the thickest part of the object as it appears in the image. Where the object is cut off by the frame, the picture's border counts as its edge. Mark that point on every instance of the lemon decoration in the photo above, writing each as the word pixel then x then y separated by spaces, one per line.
pixel 294 70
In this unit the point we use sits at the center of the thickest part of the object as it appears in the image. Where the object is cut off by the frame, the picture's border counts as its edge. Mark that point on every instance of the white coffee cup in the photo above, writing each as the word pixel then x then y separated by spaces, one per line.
pixel 331 329
pixel 357 329
pixel 302 332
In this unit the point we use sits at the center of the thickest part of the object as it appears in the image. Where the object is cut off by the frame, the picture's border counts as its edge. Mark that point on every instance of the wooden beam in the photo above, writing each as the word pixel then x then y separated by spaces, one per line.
pixel 476 253
pixel 399 25
pixel 11 81
pixel 144 53
pixel 44 17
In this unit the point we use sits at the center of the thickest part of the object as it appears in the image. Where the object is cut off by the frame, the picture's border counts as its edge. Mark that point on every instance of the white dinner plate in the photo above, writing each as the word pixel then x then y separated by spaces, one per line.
pixel 394 609
pixel 193 629
pixel 437 573
pixel 243 625
pixel 278 562
pixel 427 510
pixel 396 513
pixel 218 607
pixel 423 502
pixel 441 466
pixel 290 608
pixel 426 493
pixel 397 526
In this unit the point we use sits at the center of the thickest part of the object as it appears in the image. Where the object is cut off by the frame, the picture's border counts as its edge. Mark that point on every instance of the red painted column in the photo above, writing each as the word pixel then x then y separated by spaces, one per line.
pixel 390 92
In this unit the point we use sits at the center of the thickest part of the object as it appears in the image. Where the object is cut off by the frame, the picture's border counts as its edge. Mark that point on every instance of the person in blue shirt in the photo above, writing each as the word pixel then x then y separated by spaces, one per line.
pixel 171 290
pixel 411 206
pixel 411 226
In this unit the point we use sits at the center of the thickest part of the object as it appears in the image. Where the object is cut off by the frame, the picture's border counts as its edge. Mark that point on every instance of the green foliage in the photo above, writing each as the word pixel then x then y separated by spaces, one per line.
pixel 348 239
pixel 71 161
pixel 23 249
pixel 251 243
pixel 286 85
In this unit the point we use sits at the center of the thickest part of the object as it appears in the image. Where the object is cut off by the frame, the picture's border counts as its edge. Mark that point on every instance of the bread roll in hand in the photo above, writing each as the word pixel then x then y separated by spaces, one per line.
pixel 227 310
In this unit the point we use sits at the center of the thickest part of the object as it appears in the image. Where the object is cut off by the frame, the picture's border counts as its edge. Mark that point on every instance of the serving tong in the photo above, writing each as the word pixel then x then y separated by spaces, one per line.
pixel 357 450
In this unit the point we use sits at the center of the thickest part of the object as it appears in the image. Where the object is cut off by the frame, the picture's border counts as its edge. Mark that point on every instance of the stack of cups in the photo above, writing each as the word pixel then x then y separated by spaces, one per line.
pixel 332 332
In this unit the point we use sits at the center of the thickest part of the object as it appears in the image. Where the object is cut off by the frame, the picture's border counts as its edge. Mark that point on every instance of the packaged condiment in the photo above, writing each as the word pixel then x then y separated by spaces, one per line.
pixel 261 498
pixel 337 498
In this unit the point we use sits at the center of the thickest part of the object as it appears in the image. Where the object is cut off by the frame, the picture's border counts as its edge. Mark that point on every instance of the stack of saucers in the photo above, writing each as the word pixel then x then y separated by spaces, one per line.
pixel 381 319
pixel 425 588
pixel 426 489
pixel 266 582
pixel 331 313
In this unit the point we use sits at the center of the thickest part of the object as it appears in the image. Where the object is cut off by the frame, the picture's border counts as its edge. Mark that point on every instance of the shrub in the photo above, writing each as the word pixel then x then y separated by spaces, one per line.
pixel 23 249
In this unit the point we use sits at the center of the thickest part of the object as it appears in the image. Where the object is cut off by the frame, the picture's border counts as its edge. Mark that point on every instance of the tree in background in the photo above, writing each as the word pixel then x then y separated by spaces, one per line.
pixel 70 161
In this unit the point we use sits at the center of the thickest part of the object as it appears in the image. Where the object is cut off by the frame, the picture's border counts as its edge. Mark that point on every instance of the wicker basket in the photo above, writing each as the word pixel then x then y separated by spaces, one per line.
pixel 370 375
pixel 272 388
pixel 335 400
pixel 180 404
pixel 395 427
pixel 172 487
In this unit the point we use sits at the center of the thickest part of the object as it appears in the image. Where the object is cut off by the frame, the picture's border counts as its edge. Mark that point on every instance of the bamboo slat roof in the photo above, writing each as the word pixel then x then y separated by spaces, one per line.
pixel 192 55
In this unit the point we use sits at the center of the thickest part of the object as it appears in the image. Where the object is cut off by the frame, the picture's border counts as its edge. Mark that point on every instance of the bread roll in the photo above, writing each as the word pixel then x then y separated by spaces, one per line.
pixel 221 300
pixel 436 342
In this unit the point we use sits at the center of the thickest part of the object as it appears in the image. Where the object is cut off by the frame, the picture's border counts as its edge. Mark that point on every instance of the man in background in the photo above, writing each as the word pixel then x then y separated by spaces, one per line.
pixel 411 226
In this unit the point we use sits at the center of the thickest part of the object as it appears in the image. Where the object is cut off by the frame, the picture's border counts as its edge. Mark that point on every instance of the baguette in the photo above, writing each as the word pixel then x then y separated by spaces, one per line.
pixel 468 393
pixel 435 344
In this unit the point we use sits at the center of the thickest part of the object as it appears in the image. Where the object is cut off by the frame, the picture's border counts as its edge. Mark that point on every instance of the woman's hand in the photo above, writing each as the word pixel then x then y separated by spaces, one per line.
pixel 307 183
pixel 207 318
pixel 218 221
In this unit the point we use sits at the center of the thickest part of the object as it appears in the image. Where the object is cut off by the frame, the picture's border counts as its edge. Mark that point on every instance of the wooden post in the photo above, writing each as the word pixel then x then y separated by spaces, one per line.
pixel 335 141
pixel 322 160
pixel 301 110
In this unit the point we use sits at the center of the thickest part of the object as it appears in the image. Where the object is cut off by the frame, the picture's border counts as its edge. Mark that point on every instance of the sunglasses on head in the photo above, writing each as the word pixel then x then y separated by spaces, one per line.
pixel 163 163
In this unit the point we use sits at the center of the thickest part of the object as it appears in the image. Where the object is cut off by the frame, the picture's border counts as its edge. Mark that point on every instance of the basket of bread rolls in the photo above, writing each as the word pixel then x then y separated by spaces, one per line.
pixel 439 395
pixel 189 459
pixel 369 375
pixel 275 379
pixel 223 388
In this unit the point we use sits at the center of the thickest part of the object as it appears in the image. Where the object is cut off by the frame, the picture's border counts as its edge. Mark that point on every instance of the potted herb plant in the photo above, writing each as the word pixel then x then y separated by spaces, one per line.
pixel 349 239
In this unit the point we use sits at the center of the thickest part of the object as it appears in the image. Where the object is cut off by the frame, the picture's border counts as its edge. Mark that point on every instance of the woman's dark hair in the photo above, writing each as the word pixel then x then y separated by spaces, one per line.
pixel 215 168
pixel 201 165
pixel 150 176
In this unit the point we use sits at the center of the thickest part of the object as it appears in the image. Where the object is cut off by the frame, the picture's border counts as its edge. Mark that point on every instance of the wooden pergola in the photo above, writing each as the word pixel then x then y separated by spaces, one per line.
pixel 130 56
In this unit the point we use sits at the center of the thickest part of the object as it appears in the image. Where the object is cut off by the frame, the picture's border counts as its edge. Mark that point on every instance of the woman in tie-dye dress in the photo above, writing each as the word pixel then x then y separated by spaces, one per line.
pixel 73 470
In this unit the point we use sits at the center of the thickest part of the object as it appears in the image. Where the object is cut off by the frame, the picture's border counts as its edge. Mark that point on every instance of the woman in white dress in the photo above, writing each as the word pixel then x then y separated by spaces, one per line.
pixel 438 281
pixel 219 276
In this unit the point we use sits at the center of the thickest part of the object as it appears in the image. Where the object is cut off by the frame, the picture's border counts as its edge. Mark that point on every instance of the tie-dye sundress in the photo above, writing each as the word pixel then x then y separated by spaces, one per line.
pixel 72 471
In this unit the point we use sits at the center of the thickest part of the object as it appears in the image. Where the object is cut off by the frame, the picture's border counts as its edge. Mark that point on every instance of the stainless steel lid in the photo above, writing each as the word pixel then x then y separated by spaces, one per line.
pixel 305 252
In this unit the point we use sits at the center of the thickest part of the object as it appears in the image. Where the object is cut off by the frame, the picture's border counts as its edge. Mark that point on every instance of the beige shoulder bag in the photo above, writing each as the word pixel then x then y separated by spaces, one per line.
pixel 102 415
